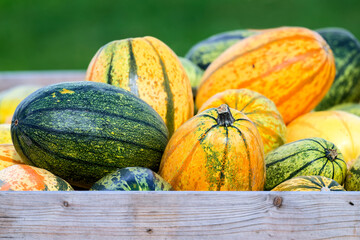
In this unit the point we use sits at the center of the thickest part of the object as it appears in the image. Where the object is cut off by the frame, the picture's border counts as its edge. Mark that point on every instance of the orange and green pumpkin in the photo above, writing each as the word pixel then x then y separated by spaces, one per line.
pixel 9 156
pixel 22 177
pixel 259 109
pixel 309 183
pixel 292 66
pixel 338 127
pixel 150 70
pixel 219 149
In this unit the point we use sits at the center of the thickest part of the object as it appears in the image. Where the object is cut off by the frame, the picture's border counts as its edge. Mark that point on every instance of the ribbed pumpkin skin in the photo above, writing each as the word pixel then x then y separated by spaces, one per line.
pixel 5 133
pixel 309 183
pixel 259 109
pixel 28 178
pixel 353 108
pixel 305 157
pixel 150 70
pixel 132 179
pixel 292 66
pixel 206 51
pixel 81 131
pixel 9 156
pixel 352 181
pixel 204 156
pixel 346 86
pixel 338 127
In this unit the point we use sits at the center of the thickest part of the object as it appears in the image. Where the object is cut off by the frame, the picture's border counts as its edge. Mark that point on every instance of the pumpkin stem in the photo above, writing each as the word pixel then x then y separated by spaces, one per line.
pixel 331 154
pixel 224 116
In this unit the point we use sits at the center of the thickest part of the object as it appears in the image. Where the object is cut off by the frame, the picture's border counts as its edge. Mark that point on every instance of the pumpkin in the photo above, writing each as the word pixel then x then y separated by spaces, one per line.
pixel 352 181
pixel 22 177
pixel 150 70
pixel 5 133
pixel 309 183
pixel 259 109
pixel 338 127
pixel 9 156
pixel 219 149
pixel 292 66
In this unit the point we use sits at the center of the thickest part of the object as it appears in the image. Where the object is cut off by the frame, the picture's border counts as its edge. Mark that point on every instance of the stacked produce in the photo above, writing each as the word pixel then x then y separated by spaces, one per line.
pixel 130 125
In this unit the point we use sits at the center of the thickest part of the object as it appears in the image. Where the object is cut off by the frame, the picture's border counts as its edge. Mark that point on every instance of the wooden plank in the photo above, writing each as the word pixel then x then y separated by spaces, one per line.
pixel 179 215
pixel 11 79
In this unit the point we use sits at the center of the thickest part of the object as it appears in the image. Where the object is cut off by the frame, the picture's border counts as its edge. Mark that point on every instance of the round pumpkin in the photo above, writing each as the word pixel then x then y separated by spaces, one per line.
pixel 292 66
pixel 338 127
pixel 22 177
pixel 259 109
pixel 150 70
pixel 9 156
pixel 219 149
pixel 5 133
pixel 309 183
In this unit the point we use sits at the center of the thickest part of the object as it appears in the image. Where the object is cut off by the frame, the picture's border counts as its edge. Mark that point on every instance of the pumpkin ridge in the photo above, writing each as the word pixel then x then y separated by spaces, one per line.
pixel 247 154
pixel 291 155
pixel 208 116
pixel 170 120
pixel 202 136
pixel 311 139
pixel 254 49
pixel 133 76
pixel 250 102
pixel 34 175
pixel 109 73
pixel 342 173
pixel 21 148
pixel 322 168
pixel 222 176
pixel 315 182
pixel 302 84
pixel 302 168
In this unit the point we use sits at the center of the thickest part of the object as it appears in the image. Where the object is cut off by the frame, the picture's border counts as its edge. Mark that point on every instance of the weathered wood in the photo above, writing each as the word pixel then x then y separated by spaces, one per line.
pixel 179 215
pixel 11 79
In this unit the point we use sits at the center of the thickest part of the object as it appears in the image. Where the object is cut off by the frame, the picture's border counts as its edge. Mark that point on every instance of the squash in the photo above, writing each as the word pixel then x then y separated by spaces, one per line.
pixel 352 181
pixel 81 131
pixel 22 177
pixel 219 149
pixel 5 133
pixel 292 66
pixel 338 127
pixel 150 70
pixel 259 109
pixel 309 183
pixel 9 156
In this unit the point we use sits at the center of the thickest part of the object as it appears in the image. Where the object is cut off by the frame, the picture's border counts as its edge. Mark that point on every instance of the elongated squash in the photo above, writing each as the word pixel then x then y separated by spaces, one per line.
pixel 292 66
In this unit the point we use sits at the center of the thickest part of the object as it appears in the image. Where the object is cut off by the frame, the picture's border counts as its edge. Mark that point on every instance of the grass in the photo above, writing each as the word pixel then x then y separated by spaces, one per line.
pixel 44 35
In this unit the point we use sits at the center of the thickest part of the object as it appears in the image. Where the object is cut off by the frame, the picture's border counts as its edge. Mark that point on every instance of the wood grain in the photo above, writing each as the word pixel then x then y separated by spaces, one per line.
pixel 11 79
pixel 179 215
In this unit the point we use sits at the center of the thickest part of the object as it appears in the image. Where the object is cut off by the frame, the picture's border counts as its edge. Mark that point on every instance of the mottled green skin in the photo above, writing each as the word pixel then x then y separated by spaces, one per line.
pixel 305 157
pixel 88 131
pixel 206 51
pixel 353 108
pixel 132 179
pixel 352 181
pixel 346 50
pixel 309 183
pixel 193 72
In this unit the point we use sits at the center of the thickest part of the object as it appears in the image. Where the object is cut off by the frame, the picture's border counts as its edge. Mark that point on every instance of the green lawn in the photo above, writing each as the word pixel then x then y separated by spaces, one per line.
pixel 39 34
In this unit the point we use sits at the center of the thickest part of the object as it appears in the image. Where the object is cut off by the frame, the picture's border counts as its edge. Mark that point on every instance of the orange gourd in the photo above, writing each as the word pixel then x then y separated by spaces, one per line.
pixel 338 127
pixel 219 149
pixel 9 156
pixel 292 66
pixel 150 70
pixel 259 109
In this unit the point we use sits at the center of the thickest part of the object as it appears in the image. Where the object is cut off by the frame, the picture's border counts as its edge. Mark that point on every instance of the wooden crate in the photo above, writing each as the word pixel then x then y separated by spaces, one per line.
pixel 171 215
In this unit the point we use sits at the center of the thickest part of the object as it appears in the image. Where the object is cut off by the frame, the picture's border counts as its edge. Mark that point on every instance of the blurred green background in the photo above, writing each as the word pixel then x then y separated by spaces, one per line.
pixel 63 34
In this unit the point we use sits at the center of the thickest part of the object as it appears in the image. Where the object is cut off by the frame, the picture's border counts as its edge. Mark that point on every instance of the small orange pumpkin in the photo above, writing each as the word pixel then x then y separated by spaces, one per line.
pixel 219 149
pixel 292 66
pixel 259 109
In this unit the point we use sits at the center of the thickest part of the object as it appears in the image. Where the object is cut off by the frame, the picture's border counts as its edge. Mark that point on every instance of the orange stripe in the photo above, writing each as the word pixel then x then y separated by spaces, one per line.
pixel 7 159
pixel 34 177
pixel 94 63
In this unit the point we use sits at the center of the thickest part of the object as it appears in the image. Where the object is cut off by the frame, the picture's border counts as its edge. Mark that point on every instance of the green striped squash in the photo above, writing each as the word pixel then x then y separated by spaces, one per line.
pixel 353 108
pixel 309 183
pixel 207 50
pixel 305 157
pixel 149 69
pixel 346 50
pixel 131 179
pixel 81 131
pixel 352 181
